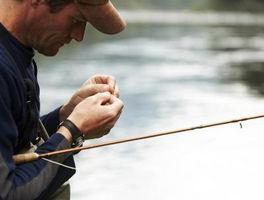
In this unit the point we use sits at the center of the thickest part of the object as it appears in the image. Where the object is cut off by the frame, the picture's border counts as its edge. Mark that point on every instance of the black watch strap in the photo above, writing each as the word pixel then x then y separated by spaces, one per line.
pixel 77 136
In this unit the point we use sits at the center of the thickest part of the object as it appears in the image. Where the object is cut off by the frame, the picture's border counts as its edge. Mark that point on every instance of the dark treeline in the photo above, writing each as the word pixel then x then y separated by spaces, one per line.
pixel 222 5
pixel 158 4
pixel 239 5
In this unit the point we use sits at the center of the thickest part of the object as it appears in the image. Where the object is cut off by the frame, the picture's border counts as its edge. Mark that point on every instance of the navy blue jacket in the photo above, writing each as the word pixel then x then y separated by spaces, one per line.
pixel 38 179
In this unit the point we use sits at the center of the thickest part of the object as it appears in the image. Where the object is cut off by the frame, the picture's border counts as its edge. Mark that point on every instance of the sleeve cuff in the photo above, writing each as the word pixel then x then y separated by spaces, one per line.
pixel 56 142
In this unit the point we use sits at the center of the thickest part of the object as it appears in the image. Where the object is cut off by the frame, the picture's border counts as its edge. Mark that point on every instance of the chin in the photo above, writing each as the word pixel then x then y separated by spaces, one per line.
pixel 49 52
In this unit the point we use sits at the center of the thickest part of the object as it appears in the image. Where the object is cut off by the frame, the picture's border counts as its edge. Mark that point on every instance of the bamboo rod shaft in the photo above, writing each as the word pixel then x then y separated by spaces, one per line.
pixel 28 158
pixel 158 134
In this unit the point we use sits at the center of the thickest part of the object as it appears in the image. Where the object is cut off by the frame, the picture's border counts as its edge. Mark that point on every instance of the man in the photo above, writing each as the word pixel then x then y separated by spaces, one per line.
pixel 46 25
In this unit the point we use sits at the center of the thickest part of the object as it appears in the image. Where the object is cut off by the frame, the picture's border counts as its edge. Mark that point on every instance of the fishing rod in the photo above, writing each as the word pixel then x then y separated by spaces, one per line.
pixel 28 157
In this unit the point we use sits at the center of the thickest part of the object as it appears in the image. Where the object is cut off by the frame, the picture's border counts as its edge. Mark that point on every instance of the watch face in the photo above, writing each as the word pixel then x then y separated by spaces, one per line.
pixel 78 142
pixel 77 136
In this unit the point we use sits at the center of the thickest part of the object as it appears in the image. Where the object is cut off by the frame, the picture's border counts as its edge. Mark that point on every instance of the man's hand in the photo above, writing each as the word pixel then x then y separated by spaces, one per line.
pixel 96 115
pixel 96 84
pixel 105 79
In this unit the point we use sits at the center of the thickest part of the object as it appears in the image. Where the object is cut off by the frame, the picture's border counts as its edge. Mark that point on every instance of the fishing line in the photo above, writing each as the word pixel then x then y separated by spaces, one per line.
pixel 57 163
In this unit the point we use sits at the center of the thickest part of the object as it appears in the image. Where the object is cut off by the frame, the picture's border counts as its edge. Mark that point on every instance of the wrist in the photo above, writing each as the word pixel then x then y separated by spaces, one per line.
pixel 77 137
pixel 64 112
pixel 62 115
pixel 66 133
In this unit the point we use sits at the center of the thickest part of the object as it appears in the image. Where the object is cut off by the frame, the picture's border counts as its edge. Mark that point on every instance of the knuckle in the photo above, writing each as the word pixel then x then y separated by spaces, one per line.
pixel 111 113
pixel 106 87
pixel 87 87
pixel 93 89
pixel 101 95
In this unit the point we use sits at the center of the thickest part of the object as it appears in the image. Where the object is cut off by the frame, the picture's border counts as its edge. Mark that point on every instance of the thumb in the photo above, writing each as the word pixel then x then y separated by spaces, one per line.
pixel 92 89
pixel 115 103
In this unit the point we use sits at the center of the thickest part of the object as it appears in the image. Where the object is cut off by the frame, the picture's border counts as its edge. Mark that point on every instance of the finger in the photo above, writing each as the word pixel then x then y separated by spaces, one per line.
pixel 106 131
pixel 115 103
pixel 116 91
pixel 99 132
pixel 112 123
pixel 98 79
pixel 104 79
pixel 89 90
pixel 102 98
pixel 112 83
pixel 113 109
pixel 91 80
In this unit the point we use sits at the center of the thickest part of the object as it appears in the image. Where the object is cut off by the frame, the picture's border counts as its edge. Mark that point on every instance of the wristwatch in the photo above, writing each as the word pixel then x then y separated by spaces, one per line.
pixel 77 136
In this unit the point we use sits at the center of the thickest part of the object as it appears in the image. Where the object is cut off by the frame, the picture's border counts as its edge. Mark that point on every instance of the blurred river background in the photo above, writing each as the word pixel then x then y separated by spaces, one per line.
pixel 175 68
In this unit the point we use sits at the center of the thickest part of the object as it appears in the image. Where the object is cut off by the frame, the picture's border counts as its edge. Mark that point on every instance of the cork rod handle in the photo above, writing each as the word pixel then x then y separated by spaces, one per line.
pixel 23 158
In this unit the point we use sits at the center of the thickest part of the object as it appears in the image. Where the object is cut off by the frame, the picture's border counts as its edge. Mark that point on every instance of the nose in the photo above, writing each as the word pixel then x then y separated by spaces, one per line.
pixel 78 32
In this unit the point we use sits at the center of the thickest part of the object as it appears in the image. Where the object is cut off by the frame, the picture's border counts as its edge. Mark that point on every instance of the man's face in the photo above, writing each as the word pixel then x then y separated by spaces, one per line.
pixel 50 31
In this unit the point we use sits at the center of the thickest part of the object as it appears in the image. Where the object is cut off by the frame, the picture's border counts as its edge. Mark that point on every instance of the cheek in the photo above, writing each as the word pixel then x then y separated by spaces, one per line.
pixel 58 27
pixel 64 25
pixel 50 37
pixel 53 35
pixel 49 44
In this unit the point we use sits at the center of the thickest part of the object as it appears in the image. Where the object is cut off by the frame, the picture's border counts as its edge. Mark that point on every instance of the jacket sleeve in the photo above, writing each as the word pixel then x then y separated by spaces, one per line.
pixel 51 121
pixel 30 180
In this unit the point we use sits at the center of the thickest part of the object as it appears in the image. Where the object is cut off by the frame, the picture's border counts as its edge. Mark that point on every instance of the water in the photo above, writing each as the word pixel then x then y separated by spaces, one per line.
pixel 185 72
